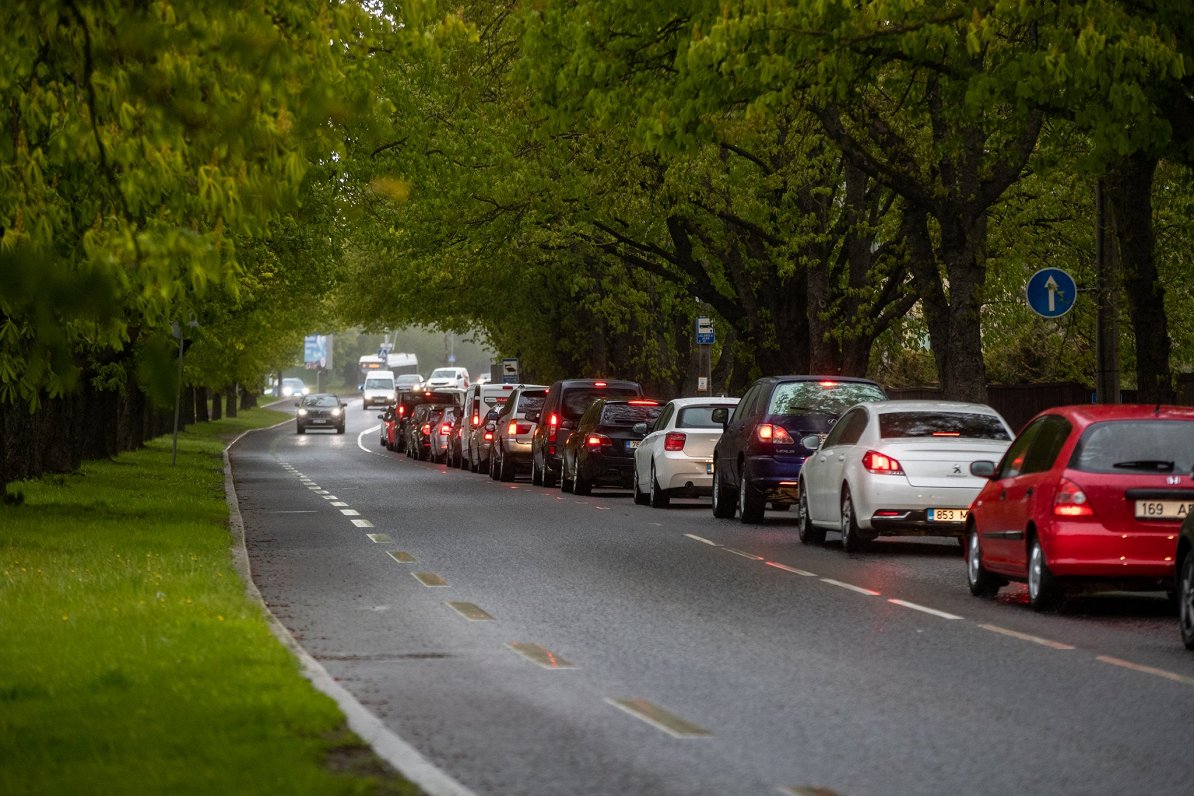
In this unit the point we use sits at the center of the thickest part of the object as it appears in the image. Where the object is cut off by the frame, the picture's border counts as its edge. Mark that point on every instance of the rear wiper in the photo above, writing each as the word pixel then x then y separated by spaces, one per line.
pixel 1146 464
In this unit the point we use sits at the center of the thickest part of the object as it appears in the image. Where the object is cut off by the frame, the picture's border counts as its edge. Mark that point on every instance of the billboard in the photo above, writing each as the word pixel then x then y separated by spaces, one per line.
pixel 317 351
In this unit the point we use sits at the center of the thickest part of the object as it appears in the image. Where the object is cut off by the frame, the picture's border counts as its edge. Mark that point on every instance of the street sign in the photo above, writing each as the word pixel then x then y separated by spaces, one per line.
pixel 510 371
pixel 1051 292
pixel 704 330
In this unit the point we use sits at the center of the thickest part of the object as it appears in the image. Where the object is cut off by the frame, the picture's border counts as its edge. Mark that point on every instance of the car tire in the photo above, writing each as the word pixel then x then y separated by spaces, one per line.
pixel 536 478
pixel 565 485
pixel 1043 589
pixel 808 533
pixel 505 469
pixel 852 539
pixel 723 506
pixel 981 582
pixel 580 485
pixel 549 480
pixel 339 429
pixel 658 498
pixel 1185 597
pixel 750 503
pixel 300 430
pixel 641 498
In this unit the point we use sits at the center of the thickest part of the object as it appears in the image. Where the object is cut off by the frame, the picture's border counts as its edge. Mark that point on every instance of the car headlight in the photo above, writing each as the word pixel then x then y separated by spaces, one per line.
pixel 336 413
pixel 302 413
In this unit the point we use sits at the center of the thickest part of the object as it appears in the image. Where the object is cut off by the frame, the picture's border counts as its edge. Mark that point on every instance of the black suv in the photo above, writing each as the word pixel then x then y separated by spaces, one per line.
pixel 758 458
pixel 566 401
pixel 600 451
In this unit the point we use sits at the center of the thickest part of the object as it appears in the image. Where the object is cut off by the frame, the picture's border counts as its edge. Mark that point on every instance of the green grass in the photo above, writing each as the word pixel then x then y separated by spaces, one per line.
pixel 131 660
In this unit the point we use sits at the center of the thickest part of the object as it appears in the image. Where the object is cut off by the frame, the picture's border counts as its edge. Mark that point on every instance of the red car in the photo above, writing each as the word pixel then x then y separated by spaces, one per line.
pixel 1091 496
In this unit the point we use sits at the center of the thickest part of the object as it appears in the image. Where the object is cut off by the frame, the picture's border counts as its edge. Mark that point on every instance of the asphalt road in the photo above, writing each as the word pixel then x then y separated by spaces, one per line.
pixel 531 642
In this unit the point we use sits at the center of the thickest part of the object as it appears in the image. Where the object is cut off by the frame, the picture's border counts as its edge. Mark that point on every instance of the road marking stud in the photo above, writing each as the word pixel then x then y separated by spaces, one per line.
pixel 379 538
pixel 429 579
pixel 402 557
pixel 540 655
pixel 362 523
pixel 470 611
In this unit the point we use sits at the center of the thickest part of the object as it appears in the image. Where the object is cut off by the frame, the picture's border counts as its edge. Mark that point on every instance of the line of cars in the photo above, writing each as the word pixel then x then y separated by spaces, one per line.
pixel 1084 497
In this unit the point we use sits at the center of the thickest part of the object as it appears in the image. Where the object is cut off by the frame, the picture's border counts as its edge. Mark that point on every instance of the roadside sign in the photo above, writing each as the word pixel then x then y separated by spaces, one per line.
pixel 1051 292
pixel 704 330
pixel 510 371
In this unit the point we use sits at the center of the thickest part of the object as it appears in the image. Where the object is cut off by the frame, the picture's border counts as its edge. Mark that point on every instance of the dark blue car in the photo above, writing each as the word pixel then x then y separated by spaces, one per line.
pixel 757 461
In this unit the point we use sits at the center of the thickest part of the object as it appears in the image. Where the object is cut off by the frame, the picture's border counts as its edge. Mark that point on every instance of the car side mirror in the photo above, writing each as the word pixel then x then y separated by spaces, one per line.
pixel 381 417
pixel 812 442
pixel 533 416
pixel 983 469
pixel 720 415
pixel 640 428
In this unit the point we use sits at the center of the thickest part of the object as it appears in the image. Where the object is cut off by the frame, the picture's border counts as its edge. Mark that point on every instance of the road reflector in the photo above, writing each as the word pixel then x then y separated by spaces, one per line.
pixel 470 611
pixel 540 655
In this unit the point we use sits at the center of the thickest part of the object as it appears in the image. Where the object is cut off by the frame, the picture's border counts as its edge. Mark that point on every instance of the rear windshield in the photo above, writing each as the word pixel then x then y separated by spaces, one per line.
pixel 821 397
pixel 1136 446
pixel 530 402
pixel 629 414
pixel 970 425
pixel 700 416
pixel 578 399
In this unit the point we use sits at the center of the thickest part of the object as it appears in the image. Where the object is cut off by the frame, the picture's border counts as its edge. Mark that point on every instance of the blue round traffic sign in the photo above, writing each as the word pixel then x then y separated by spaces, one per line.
pixel 1051 292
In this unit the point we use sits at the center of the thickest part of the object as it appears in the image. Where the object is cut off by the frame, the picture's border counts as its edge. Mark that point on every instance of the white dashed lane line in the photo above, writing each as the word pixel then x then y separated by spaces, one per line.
pixel 851 587
pixel 923 609
pixel 1044 642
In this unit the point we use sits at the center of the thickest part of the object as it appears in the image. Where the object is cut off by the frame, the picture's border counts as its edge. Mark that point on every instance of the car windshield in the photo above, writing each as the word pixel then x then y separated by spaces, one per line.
pixel 1139 446
pixel 971 425
pixel 616 414
pixel 409 378
pixel 443 373
pixel 378 384
pixel 824 397
pixel 321 400
pixel 700 416
pixel 578 399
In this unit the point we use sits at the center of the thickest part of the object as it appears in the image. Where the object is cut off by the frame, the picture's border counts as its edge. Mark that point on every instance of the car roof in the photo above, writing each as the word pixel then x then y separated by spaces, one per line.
pixel 920 405
pixel 680 403
pixel 806 377
pixel 1093 413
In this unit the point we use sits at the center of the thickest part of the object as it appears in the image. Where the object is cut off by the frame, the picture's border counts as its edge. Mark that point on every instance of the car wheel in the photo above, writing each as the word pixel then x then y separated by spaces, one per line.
pixel 1043 589
pixel 339 429
pixel 750 502
pixel 659 499
pixel 723 506
pixel 505 469
pixel 982 583
pixel 549 480
pixel 852 541
pixel 580 485
pixel 565 486
pixel 493 466
pixel 641 498
pixel 536 477
pixel 809 533
pixel 1185 596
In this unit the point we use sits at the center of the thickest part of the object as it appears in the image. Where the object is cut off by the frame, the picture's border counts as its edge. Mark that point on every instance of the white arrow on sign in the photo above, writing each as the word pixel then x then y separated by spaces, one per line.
pixel 1051 286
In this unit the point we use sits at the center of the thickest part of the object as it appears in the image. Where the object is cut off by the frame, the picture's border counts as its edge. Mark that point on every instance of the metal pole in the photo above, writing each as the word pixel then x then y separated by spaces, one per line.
pixel 177 399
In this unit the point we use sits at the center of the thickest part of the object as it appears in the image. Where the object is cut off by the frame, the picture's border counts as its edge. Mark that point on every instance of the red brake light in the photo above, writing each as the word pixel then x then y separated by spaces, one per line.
pixel 674 441
pixel 643 403
pixel 488 436
pixel 446 428
pixel 512 428
pixel 553 424
pixel 881 464
pixel 1070 501
pixel 476 420
pixel 828 383
pixel 947 433
pixel 402 410
pixel 766 432
pixel 596 440
pixel 426 428
pixel 600 384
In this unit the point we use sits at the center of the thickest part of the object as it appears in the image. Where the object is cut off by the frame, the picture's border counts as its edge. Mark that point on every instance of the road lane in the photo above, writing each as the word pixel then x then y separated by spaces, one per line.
pixel 795 661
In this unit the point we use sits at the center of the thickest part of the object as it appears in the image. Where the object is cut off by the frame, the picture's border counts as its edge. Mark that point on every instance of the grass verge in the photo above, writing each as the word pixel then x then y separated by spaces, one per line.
pixel 131 659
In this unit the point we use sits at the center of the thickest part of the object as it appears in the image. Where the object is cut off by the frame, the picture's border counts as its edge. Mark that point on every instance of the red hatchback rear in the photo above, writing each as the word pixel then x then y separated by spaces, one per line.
pixel 1090 495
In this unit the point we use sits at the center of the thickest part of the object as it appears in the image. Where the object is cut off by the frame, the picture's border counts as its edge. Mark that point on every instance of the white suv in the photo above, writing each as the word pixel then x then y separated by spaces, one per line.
pixel 447 377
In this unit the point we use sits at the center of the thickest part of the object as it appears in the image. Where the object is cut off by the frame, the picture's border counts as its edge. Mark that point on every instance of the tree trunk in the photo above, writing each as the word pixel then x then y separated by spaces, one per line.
pixel 202 414
pixel 217 398
pixel 230 401
pixel 1129 197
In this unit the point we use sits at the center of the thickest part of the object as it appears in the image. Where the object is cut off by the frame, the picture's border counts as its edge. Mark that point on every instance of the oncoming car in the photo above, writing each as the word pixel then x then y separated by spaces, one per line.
pixel 293 387
pixel 321 410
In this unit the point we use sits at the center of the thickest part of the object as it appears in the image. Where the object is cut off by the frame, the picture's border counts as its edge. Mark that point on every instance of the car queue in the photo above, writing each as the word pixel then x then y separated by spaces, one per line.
pixel 1084 498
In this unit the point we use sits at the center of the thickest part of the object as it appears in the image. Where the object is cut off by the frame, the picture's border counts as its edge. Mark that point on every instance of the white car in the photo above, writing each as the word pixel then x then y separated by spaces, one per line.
pixel 294 387
pixel 898 468
pixel 447 377
pixel 675 459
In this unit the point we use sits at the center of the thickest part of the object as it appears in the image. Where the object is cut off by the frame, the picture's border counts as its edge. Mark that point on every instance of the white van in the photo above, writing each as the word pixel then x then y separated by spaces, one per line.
pixel 379 389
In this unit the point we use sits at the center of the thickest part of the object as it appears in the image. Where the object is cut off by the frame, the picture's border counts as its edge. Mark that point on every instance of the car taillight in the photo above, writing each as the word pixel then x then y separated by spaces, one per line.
pixel 446 428
pixel 674 441
pixel 476 420
pixel 767 432
pixel 512 428
pixel 881 464
pixel 401 411
pixel 596 440
pixel 1070 501
pixel 426 428
pixel 489 436
pixel 553 425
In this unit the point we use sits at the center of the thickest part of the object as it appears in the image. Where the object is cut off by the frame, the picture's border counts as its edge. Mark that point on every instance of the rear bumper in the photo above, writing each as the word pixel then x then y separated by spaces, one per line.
pixel 608 471
pixel 915 522
pixel 684 475
pixel 777 480
pixel 1087 549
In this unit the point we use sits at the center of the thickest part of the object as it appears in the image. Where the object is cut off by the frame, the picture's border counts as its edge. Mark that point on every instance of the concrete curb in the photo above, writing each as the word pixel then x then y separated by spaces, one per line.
pixel 399 754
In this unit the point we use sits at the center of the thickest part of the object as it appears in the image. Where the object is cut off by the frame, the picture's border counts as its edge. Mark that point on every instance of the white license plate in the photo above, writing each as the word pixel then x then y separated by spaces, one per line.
pixel 1163 509
pixel 948 515
pixel 318 420
pixel 632 444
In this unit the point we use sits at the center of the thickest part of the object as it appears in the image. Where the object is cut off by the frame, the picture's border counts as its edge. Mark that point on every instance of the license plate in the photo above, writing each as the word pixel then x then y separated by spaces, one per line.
pixel 709 468
pixel 948 515
pixel 1163 509
pixel 318 420
pixel 631 444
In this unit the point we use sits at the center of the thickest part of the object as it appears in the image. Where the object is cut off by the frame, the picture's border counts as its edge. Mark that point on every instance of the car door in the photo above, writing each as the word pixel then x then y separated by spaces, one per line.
pixel 652 445
pixel 737 434
pixel 824 479
pixel 1023 471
